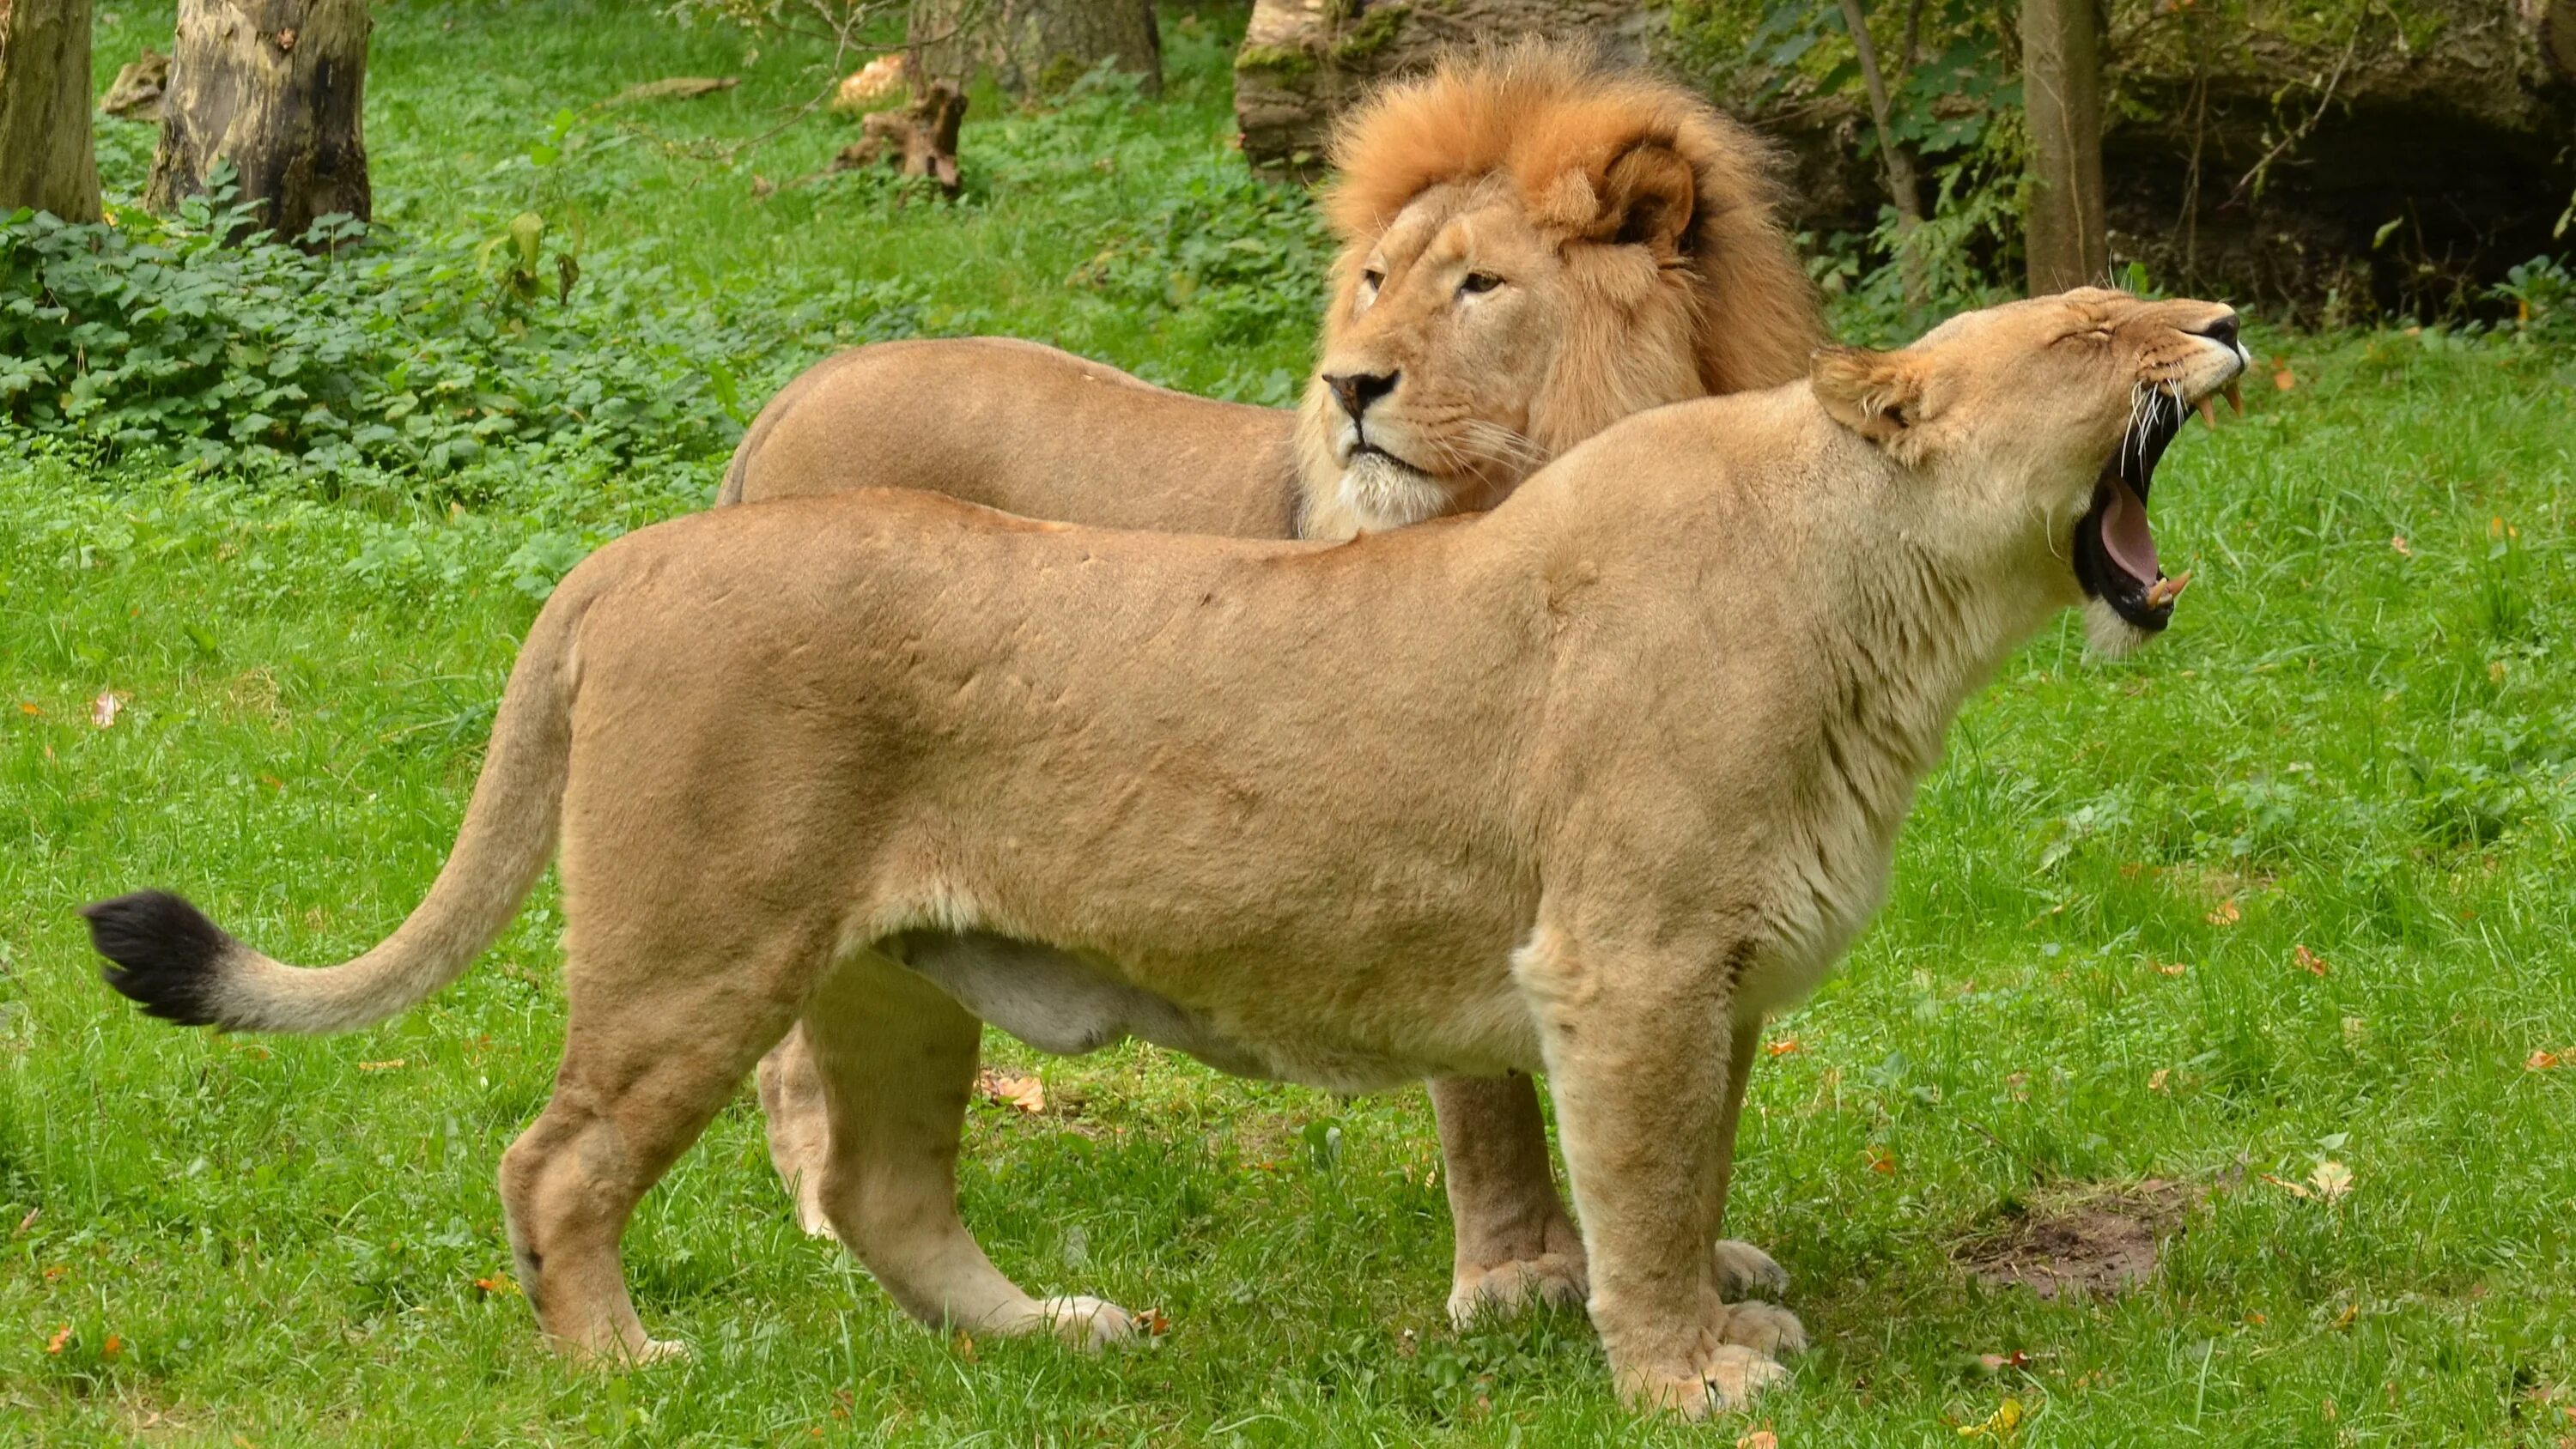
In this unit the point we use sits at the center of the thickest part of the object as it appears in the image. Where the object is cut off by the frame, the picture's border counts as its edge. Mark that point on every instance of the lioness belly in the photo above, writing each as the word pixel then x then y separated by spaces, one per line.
pixel 1059 1002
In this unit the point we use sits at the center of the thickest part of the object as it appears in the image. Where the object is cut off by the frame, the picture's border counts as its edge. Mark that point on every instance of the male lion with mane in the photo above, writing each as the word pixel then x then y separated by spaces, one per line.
pixel 1535 245
pixel 1589 783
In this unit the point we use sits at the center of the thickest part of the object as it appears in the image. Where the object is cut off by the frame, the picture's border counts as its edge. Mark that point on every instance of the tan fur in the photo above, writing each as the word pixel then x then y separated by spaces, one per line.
pixel 1587 784
pixel 1647 265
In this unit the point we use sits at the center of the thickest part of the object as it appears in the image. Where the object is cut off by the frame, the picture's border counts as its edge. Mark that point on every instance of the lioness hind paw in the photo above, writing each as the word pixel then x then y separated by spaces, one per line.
pixel 1765 1328
pixel 1745 1271
pixel 662 1350
pixel 1090 1324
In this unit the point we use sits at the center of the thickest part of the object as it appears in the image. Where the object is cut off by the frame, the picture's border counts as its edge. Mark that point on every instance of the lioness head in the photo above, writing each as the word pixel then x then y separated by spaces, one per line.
pixel 2054 413
pixel 1535 245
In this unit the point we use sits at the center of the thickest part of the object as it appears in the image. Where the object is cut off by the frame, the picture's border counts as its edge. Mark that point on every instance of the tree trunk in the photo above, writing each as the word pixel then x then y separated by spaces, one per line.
pixel 278 88
pixel 45 156
pixel 1896 163
pixel 1036 47
pixel 2064 233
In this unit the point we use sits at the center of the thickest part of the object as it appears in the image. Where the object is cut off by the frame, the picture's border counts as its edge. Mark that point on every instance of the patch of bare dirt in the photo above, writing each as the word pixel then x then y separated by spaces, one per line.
pixel 2091 1241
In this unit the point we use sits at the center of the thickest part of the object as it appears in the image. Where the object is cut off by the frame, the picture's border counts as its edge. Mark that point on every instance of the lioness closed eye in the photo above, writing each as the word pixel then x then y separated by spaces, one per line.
pixel 1610 770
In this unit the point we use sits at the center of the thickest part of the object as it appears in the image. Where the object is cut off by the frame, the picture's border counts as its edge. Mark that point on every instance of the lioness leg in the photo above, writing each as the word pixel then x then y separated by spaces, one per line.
pixel 897 1060
pixel 1640 1076
pixel 1515 1246
pixel 649 1058
pixel 799 1125
pixel 1514 1243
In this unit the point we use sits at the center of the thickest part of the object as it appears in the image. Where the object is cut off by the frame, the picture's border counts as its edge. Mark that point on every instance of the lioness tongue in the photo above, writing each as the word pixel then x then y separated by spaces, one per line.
pixel 2124 533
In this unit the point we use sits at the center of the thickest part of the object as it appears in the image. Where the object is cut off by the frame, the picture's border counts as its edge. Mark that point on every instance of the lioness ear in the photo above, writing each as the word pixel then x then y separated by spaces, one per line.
pixel 1878 395
pixel 1648 198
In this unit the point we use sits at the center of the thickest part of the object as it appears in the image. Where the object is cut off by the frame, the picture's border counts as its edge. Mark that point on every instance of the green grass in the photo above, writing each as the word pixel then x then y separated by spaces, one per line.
pixel 2366 750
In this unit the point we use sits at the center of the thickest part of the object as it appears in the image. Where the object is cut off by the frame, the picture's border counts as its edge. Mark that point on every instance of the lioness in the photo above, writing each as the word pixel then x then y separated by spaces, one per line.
pixel 1534 246
pixel 1588 784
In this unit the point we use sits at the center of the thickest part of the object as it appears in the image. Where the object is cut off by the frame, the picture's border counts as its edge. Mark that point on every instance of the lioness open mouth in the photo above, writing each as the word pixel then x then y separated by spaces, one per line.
pixel 2115 551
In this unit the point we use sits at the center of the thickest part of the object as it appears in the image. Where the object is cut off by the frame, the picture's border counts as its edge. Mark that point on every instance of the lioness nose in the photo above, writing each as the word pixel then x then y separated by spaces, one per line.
pixel 2221 330
pixel 1356 390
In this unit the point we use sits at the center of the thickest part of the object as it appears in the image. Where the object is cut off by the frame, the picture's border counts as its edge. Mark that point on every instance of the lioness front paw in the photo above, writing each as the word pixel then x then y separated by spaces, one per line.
pixel 1555 1280
pixel 1090 1324
pixel 1727 1379
pixel 1745 1271
pixel 1765 1328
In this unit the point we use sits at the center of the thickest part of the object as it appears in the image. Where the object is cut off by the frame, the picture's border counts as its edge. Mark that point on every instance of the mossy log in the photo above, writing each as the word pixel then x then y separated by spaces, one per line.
pixel 1304 60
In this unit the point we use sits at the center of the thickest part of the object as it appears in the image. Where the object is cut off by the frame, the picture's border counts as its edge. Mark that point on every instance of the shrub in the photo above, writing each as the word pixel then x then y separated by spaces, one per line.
pixel 380 353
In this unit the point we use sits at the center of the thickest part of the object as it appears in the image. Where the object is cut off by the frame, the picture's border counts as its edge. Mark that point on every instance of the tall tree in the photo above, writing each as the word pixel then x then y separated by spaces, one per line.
pixel 2064 235
pixel 1036 47
pixel 1895 158
pixel 45 156
pixel 278 88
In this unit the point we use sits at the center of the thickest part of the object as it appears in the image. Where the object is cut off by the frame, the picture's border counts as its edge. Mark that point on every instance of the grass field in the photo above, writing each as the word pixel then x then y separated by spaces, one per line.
pixel 2278 912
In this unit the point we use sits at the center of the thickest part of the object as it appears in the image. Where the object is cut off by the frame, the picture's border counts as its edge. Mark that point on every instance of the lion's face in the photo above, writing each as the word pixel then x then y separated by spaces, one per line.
pixel 2056 411
pixel 1466 346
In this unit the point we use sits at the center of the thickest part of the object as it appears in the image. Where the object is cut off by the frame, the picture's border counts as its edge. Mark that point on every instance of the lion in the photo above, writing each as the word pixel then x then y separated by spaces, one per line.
pixel 1534 245
pixel 1586 784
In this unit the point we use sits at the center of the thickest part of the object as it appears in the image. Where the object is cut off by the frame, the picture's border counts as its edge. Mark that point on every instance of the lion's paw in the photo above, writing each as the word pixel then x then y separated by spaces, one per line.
pixel 1765 1328
pixel 1745 1271
pixel 662 1350
pixel 1729 1378
pixel 1555 1280
pixel 1090 1324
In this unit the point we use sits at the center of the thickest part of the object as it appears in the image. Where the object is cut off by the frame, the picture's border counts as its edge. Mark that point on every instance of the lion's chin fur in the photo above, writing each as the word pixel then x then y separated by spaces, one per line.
pixel 1381 493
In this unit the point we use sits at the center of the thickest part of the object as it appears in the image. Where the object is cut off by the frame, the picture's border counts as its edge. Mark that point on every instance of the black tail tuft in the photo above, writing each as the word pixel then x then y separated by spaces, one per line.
pixel 165 953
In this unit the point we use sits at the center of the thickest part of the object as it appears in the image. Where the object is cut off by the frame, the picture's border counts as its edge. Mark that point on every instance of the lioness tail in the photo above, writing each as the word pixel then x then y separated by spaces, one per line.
pixel 184 968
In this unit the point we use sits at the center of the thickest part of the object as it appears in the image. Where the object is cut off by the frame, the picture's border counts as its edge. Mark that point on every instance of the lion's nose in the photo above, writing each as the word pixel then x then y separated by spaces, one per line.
pixel 1356 390
pixel 2221 330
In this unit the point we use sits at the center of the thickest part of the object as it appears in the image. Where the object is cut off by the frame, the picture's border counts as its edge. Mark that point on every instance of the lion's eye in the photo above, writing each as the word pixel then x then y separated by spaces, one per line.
pixel 1478 282
pixel 1373 279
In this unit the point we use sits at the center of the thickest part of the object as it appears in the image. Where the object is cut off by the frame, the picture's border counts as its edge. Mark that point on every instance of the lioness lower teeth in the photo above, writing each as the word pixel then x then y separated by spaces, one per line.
pixel 2165 591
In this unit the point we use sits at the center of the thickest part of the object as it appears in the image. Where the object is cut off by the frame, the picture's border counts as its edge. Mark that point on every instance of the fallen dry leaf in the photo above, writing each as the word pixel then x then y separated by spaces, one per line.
pixel 496 1284
pixel 1787 1046
pixel 1011 1089
pixel 2495 671
pixel 1759 1439
pixel 964 1347
pixel 2156 1079
pixel 104 709
pixel 2224 914
pixel 2538 1061
pixel 1998 1425
pixel 27 1222
pixel 2283 379
pixel 2294 1189
pixel 1154 1322
pixel 2398 542
pixel 2171 968
pixel 2307 960
pixel 2350 1312
pixel 2332 1179
pixel 26 708
pixel 112 1347
pixel 1882 1161
pixel 61 1339
pixel 385 1066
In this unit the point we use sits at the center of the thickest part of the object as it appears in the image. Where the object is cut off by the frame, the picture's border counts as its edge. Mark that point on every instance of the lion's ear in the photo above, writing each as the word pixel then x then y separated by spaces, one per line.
pixel 1648 198
pixel 1879 395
